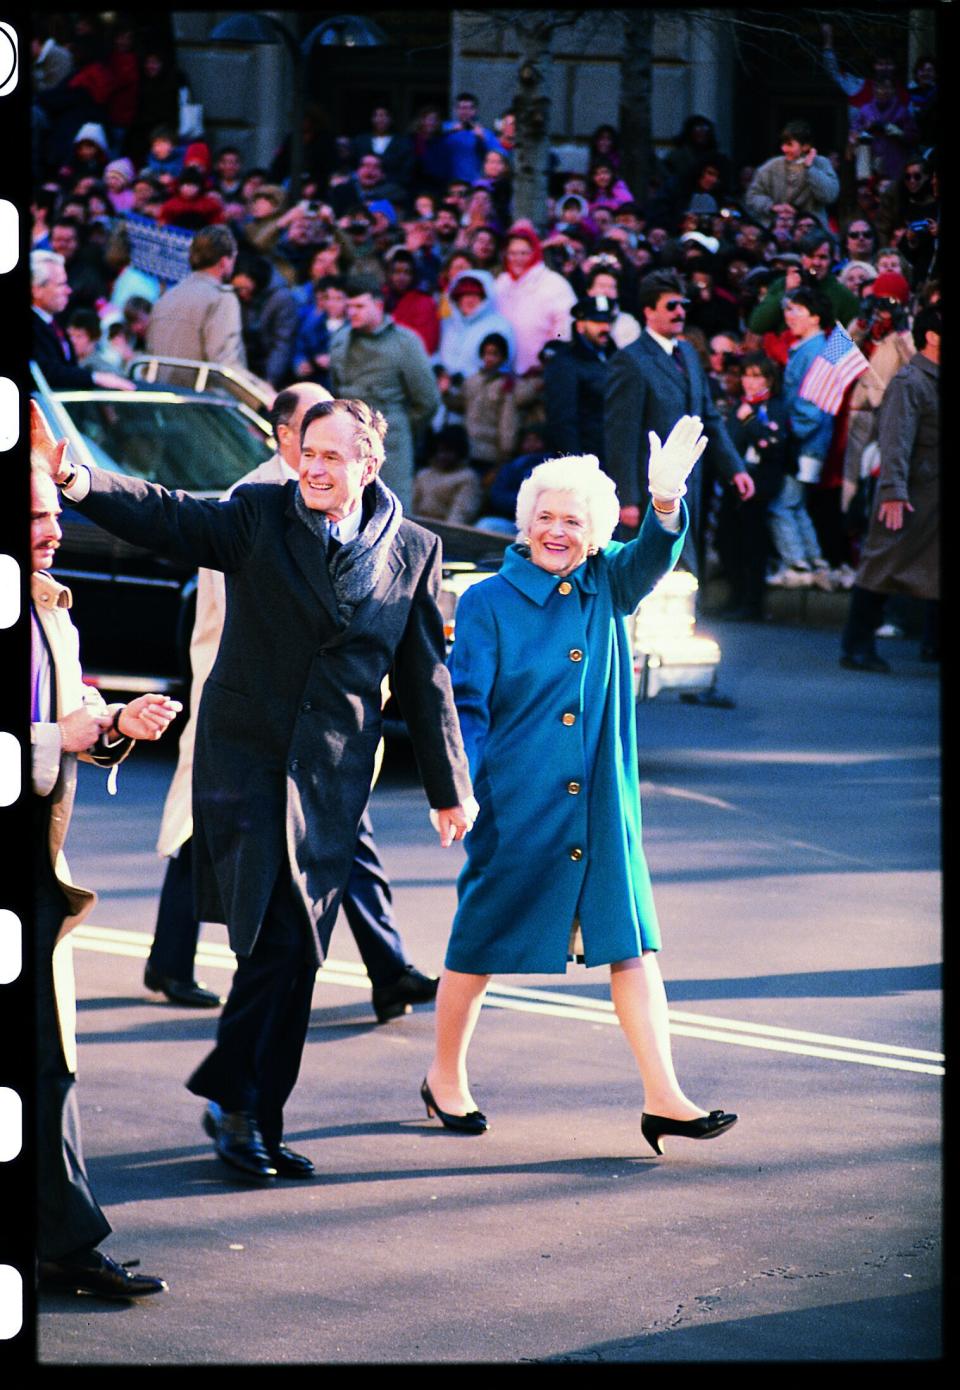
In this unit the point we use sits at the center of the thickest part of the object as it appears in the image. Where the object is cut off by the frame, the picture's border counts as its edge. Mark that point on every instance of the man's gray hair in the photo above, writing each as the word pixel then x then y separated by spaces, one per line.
pixel 580 474
pixel 41 263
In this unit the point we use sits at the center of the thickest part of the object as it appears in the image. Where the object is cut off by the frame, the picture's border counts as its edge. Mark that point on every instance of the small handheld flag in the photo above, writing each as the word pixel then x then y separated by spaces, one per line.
pixel 836 365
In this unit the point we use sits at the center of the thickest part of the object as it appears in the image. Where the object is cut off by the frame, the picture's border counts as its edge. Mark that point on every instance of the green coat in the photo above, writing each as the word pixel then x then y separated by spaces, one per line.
pixel 542 674
pixel 390 370
pixel 767 317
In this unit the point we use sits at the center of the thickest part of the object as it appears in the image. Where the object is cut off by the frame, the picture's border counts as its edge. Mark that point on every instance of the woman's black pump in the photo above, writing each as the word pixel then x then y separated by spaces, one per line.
pixel 654 1127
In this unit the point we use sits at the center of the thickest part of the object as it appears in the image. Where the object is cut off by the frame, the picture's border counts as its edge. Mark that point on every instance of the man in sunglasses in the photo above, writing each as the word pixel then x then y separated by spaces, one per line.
pixel 650 384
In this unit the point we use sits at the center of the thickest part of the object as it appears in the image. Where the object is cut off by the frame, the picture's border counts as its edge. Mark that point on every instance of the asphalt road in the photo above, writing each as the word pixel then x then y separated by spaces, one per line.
pixel 795 849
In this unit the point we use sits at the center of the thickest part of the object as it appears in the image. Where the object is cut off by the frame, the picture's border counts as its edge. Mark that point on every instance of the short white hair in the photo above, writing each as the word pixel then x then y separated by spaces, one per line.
pixel 41 263
pixel 580 474
pixel 871 271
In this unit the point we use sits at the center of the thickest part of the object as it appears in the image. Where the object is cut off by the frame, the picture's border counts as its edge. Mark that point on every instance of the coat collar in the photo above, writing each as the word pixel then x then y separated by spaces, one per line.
pixel 308 554
pixel 47 593
pixel 538 585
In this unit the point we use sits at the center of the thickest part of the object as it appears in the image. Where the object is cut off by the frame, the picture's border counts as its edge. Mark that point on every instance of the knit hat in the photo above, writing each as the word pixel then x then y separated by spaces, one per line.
pixel 94 133
pixel 123 166
pixel 198 153
pixel 467 284
pixel 890 285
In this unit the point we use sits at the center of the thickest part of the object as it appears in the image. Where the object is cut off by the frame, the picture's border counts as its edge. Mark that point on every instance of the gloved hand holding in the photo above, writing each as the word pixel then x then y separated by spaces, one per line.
pixel 671 463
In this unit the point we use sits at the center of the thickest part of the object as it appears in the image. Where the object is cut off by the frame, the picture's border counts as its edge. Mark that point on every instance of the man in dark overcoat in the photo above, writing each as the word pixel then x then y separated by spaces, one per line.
pixel 901 554
pixel 574 379
pixel 650 384
pixel 328 588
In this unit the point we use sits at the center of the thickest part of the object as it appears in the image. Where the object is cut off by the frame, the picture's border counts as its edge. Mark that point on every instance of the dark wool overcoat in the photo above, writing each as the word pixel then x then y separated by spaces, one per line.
pixel 290 716
pixel 646 390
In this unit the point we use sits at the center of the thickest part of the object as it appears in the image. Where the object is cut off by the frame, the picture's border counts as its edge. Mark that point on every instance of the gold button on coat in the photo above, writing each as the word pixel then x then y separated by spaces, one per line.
pixel 573 788
pixel 569 719
pixel 576 854
pixel 565 588
pixel 576 654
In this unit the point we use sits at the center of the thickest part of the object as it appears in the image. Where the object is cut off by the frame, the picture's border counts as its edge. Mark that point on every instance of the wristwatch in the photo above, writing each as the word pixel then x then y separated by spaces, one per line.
pixel 71 474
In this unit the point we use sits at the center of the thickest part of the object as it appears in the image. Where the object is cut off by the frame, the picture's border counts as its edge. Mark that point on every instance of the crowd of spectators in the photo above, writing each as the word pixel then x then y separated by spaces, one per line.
pixel 770 257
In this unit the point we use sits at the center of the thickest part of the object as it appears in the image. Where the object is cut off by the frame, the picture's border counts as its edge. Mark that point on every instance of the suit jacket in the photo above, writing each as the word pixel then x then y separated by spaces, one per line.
pixel 290 717
pixel 645 390
pixel 55 780
pixel 56 358
pixel 176 825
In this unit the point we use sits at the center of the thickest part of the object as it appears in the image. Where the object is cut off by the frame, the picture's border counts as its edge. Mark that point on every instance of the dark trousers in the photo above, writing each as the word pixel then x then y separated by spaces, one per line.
pixel 69 1220
pixel 865 615
pixel 263 1026
pixel 367 906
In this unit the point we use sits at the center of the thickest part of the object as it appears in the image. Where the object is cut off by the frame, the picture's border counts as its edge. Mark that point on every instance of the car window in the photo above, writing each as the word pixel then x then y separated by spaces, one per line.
pixel 201 446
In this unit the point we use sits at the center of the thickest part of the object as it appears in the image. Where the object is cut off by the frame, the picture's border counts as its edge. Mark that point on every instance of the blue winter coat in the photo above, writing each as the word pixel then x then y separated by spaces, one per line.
pixel 542 676
pixel 811 427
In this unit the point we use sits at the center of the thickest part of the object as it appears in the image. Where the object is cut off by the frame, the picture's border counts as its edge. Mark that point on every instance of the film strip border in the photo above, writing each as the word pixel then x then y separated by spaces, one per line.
pixel 17 1180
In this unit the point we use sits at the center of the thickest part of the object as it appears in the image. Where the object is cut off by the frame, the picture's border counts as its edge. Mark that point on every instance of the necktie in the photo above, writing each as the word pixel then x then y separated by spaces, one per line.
pixel 333 545
pixel 36 661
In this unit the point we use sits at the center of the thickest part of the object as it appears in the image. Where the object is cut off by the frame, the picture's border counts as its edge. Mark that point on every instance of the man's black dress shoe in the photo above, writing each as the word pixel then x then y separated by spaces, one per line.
pixel 96 1274
pixel 187 992
pixel 237 1141
pixel 714 698
pixel 289 1164
pixel 410 987
pixel 864 662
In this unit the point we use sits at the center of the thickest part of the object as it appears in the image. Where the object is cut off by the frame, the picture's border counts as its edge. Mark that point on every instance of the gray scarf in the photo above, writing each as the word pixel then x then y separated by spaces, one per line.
pixel 357 565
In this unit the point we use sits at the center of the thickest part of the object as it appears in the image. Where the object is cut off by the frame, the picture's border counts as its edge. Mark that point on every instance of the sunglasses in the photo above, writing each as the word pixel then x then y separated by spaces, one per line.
pixel 673 304
pixel 860 236
pixel 913 178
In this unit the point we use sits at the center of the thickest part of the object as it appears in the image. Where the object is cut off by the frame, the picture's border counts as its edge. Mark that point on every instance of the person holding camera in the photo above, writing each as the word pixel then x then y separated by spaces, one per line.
pixel 816 254
pixel 798 176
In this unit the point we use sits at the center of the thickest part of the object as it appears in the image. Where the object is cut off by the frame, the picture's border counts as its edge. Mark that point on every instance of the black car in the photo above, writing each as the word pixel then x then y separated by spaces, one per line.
pixel 133 608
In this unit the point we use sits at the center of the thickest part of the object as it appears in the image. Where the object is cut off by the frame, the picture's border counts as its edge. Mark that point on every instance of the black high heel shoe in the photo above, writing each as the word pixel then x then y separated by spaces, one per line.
pixel 474 1123
pixel 654 1127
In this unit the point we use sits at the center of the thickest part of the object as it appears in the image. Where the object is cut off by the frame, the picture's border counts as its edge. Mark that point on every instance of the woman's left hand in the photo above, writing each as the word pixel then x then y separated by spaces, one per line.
pixel 672 462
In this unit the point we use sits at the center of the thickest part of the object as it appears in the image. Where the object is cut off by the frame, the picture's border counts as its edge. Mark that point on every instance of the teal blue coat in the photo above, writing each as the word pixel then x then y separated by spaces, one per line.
pixel 542 676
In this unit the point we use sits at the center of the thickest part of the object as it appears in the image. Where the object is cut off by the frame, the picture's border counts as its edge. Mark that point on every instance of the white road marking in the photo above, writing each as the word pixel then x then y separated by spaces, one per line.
pixel 578 1008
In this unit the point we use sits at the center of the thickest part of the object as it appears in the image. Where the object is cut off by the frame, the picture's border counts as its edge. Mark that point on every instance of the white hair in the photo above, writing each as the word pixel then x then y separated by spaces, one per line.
pixel 580 474
pixel 844 275
pixel 41 263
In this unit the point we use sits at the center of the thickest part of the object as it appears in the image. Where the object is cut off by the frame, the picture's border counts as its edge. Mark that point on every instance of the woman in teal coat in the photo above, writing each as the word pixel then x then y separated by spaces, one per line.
pixel 542 674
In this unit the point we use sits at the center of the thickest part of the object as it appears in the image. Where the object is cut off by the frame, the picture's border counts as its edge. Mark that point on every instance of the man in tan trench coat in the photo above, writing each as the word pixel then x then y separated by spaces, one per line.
pixel 69 720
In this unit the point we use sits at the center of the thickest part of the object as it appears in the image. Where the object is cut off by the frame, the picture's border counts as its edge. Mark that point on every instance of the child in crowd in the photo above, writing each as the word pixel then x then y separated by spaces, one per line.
pixel 487 401
pixel 447 488
pixel 759 431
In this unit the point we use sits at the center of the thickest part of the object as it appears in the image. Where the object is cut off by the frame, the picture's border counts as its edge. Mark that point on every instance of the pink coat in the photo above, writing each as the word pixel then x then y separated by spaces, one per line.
pixel 537 307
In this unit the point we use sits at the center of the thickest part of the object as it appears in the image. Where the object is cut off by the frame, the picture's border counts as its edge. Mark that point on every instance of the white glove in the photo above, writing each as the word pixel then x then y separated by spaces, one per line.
pixel 671 463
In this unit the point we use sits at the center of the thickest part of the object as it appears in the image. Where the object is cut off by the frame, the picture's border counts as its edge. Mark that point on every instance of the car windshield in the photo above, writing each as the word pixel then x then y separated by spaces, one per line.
pixel 197 445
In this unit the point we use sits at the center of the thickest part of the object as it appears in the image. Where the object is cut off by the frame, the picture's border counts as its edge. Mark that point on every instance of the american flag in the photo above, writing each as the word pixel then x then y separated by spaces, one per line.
pixel 837 363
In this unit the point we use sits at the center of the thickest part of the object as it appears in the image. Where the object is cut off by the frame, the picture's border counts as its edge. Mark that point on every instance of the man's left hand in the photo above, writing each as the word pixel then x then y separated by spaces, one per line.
pixel 745 486
pixel 147 716
pixel 890 514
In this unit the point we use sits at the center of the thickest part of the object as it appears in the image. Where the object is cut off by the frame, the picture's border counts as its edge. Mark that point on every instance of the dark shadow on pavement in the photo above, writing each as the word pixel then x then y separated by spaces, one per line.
pixel 823 984
pixel 901 1328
